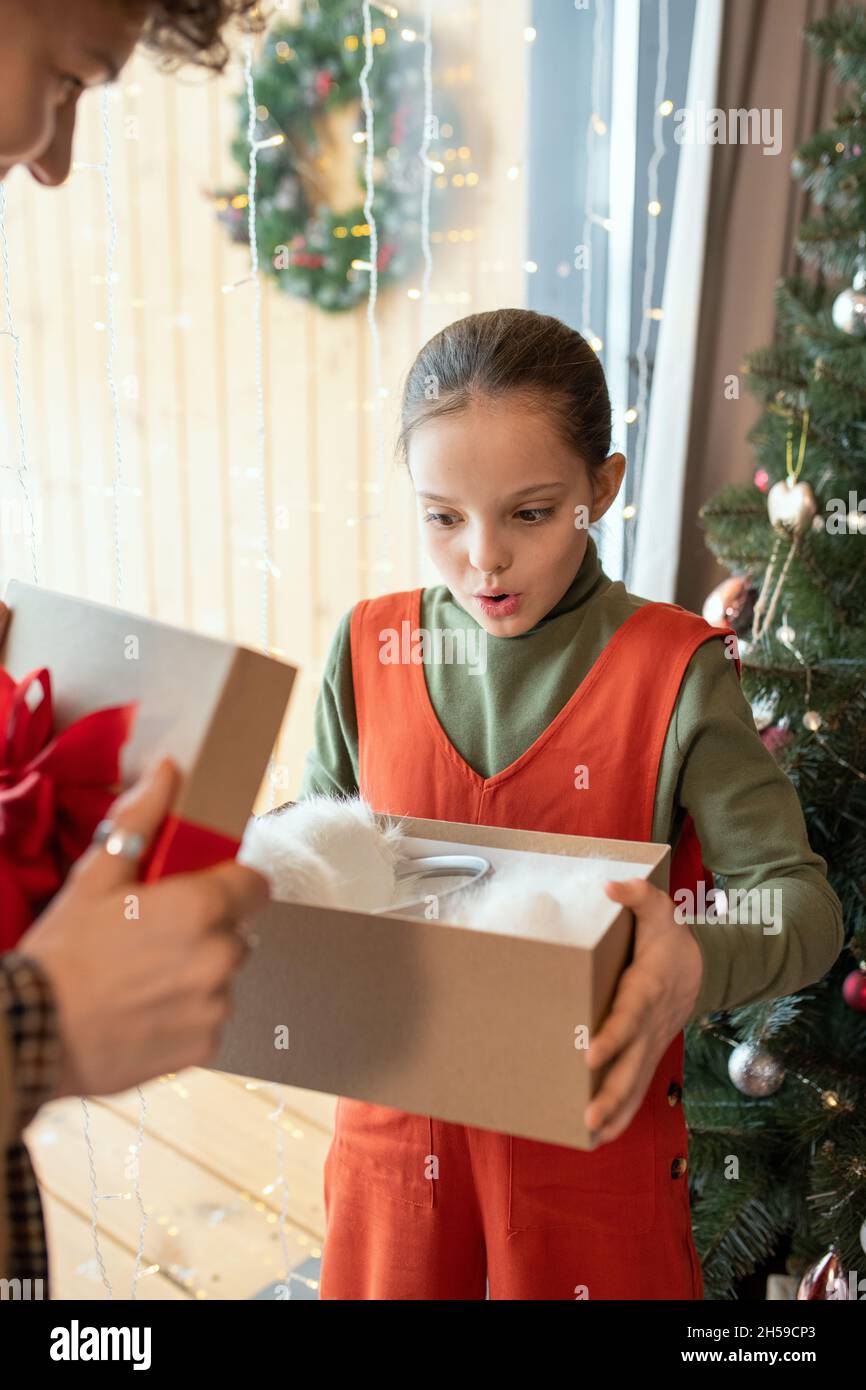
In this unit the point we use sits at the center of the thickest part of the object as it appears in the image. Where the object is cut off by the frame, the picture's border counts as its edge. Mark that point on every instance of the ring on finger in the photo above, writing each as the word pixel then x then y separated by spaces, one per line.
pixel 128 844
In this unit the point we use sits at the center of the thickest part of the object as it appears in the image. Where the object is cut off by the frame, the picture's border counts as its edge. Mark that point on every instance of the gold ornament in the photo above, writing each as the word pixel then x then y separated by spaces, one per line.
pixel 791 507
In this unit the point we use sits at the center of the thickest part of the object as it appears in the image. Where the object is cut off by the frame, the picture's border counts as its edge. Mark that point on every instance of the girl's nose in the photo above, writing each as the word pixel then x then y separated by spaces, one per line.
pixel 486 555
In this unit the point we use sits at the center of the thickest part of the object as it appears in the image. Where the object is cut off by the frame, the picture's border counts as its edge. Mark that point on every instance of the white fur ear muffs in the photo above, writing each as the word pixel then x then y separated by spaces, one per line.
pixel 335 852
pixel 326 850
pixel 511 903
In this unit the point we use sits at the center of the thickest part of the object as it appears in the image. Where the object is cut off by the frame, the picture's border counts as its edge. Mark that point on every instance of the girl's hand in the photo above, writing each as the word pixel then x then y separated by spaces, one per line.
pixel 654 1000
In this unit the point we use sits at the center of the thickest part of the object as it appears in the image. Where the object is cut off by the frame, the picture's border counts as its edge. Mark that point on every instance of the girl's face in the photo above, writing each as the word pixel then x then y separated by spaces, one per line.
pixel 505 507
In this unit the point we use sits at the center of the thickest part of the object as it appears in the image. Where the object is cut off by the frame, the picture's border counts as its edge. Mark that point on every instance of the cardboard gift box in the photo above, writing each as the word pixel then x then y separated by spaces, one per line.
pixel 211 705
pixel 462 1024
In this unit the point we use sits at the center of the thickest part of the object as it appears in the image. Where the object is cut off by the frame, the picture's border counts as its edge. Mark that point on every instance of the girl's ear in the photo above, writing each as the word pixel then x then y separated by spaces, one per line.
pixel 606 483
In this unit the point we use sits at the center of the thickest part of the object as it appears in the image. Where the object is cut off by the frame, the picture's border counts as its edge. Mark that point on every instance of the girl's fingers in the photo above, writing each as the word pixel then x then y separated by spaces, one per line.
pixel 612 1110
pixel 621 1024
pixel 631 892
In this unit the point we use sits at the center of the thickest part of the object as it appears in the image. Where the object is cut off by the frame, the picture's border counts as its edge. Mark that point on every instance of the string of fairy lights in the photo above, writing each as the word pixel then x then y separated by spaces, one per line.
pixel 649 313
pixel 595 126
pixel 428 167
pixel 117 490
pixel 21 468
pixel 596 131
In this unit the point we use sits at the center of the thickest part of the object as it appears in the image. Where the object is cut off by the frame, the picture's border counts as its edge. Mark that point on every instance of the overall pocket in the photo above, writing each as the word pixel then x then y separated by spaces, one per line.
pixel 385 1150
pixel 552 1185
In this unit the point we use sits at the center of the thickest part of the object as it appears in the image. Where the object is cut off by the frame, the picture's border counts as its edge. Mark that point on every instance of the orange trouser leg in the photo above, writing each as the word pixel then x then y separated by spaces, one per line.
pixel 401 1211
pixel 420 1209
pixel 608 1223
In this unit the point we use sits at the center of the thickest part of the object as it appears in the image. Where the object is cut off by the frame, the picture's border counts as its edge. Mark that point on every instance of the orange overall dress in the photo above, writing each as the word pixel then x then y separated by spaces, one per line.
pixel 530 1219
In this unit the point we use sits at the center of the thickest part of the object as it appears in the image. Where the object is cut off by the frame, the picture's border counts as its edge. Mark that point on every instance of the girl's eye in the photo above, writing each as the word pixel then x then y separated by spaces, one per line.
pixel 440 518
pixel 533 515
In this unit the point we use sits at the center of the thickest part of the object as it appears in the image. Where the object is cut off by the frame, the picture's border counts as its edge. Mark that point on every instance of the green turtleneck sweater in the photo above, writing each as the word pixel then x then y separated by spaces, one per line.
pixel 714 766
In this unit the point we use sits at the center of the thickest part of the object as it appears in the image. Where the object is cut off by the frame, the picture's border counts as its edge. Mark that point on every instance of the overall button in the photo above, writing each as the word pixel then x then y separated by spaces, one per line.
pixel 675 1093
pixel 678 1167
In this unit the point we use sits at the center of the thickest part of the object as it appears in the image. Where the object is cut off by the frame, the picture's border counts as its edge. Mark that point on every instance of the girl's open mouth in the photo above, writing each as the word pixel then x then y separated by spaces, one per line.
pixel 502 606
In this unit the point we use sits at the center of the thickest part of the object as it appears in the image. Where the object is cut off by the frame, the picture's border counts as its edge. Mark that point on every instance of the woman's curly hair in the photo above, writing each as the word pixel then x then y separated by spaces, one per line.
pixel 191 31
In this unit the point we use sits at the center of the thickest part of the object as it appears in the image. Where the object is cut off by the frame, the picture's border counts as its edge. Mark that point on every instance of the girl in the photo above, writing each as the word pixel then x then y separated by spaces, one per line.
pixel 596 713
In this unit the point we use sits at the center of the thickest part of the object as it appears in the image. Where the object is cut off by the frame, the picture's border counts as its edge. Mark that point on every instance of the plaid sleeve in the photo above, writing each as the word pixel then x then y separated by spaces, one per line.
pixel 28 1006
pixel 27 1001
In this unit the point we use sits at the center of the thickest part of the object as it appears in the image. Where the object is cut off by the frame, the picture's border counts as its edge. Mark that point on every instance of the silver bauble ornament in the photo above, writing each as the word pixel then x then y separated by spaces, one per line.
pixel 824 1281
pixel 754 1070
pixel 849 308
pixel 791 507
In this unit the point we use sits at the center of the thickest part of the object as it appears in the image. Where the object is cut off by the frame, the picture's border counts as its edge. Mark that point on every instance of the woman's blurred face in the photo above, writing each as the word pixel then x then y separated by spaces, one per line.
pixel 50 51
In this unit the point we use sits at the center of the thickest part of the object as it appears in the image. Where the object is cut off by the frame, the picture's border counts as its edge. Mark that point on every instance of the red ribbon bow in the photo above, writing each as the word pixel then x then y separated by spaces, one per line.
pixel 53 793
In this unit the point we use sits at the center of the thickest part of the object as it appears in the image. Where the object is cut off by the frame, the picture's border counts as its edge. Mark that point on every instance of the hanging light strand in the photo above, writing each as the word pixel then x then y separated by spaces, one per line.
pixel 111 355
pixel 266 564
pixel 649 271
pixel 277 1119
pixel 592 135
pixel 428 169
pixel 369 218
pixel 21 469
pixel 95 1199
pixel 104 169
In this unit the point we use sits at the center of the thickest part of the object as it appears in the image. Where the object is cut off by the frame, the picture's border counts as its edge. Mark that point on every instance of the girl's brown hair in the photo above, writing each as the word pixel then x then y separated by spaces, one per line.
pixel 512 351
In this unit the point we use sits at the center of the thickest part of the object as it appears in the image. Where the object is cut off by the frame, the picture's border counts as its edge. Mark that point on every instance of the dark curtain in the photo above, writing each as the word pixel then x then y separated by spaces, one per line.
pixel 755 210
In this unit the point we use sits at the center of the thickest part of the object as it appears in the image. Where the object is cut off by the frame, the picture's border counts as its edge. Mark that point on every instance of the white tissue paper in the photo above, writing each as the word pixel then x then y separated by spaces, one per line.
pixel 333 852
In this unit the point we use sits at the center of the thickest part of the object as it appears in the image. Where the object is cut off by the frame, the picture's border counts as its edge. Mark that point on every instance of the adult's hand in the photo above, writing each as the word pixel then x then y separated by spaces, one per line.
pixel 141 972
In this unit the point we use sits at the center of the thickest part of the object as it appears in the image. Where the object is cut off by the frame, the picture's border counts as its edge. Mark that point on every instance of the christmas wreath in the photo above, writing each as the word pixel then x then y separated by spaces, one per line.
pixel 310 183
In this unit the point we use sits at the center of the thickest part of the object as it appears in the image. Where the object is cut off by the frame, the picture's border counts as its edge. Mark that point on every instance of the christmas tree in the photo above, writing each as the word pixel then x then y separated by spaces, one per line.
pixel 781 1085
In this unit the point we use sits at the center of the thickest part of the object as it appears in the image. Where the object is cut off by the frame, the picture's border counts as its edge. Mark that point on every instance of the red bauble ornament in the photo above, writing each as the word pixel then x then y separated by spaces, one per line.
pixel 776 738
pixel 762 479
pixel 854 991
pixel 731 604
pixel 824 1281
